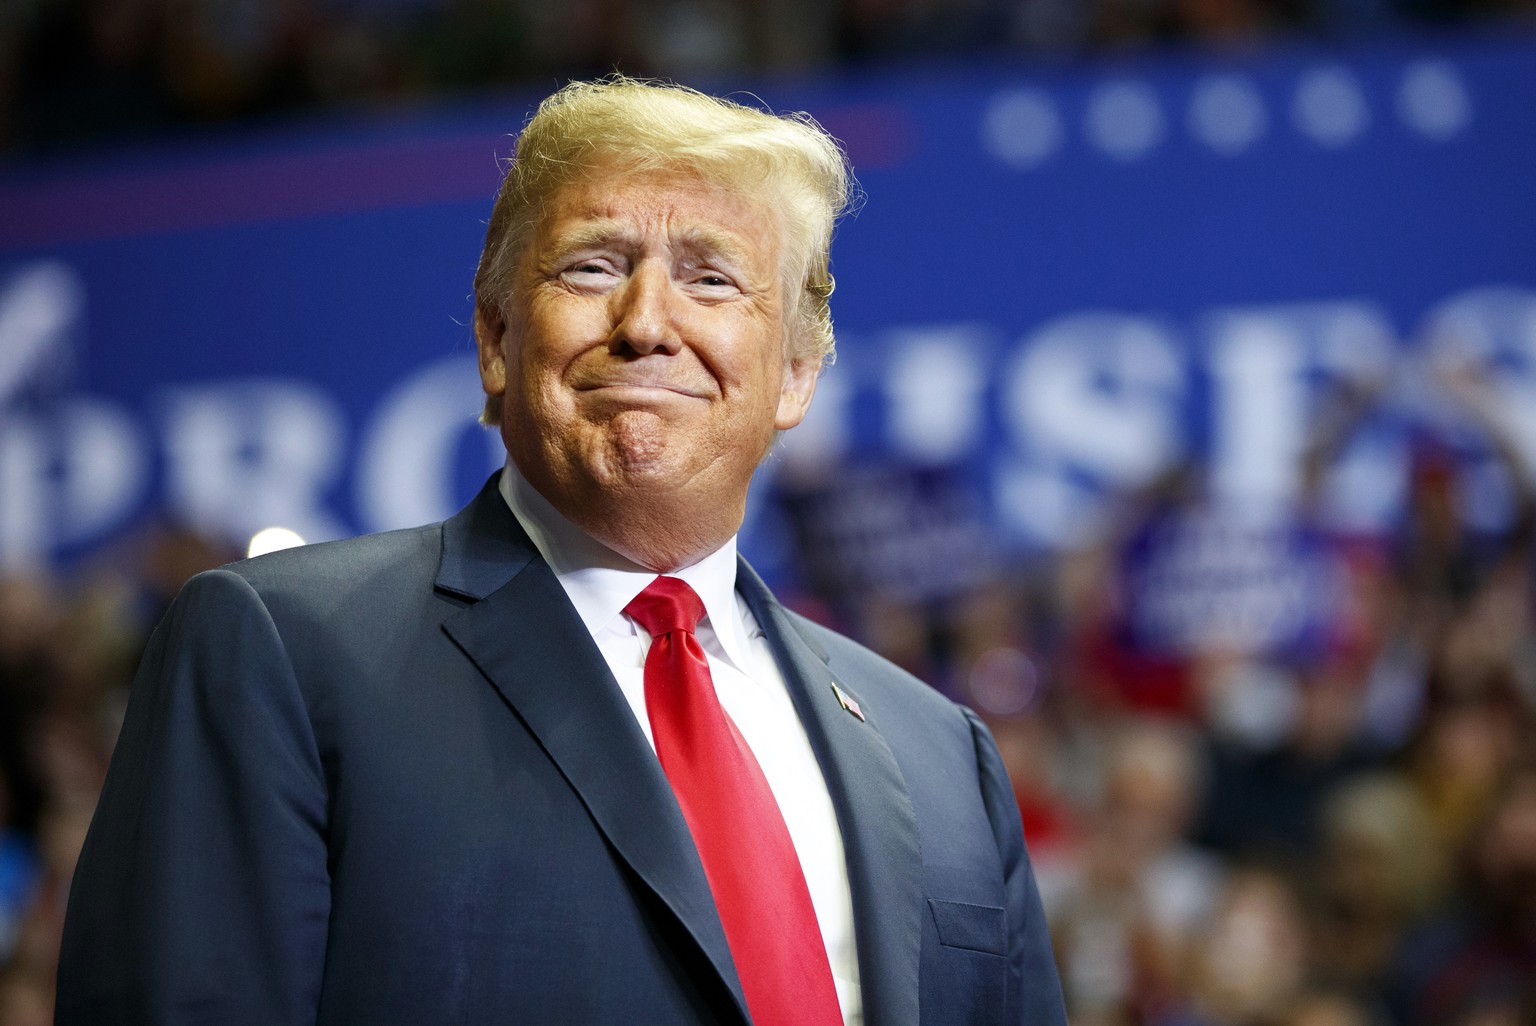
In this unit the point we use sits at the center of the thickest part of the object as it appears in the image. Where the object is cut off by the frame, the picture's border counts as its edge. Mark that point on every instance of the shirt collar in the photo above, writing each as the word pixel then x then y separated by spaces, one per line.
pixel 601 582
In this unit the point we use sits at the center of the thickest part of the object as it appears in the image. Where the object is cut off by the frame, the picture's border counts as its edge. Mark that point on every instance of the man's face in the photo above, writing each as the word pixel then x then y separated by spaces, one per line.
pixel 642 354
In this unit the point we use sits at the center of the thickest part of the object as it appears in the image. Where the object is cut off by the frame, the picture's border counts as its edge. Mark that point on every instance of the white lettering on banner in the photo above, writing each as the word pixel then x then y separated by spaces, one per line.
pixel 1265 363
pixel 405 466
pixel 1093 404
pixel 1258 412
pixel 250 454
pixel 104 468
pixel 24 516
pixel 1100 391
pixel 39 309
pixel 936 382
pixel 67 477
pixel 71 467
pixel 1043 504
pixel 1493 326
pixel 1094 395
pixel 1490 332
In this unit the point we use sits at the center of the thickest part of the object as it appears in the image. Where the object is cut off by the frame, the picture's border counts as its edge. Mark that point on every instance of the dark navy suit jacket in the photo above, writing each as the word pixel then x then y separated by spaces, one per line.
pixel 390 780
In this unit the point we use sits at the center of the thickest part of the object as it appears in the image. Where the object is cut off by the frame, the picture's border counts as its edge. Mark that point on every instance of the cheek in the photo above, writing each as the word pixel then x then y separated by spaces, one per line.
pixel 536 356
pixel 756 356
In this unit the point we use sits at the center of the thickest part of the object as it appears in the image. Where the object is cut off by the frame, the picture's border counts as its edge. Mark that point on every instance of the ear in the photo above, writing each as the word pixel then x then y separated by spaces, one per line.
pixel 490 328
pixel 799 384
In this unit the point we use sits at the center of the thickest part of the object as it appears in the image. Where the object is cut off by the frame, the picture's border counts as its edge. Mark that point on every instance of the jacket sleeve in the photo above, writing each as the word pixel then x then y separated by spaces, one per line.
pixel 1034 986
pixel 202 892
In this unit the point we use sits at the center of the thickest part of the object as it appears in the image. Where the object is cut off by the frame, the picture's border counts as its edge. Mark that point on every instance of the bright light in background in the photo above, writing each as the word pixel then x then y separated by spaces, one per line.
pixel 270 539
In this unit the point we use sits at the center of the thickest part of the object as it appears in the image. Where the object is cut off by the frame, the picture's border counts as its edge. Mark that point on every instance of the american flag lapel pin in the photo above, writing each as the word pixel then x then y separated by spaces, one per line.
pixel 847 702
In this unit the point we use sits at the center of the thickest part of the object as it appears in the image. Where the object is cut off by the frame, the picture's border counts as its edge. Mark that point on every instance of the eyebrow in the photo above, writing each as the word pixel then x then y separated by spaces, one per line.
pixel 705 240
pixel 595 234
pixel 702 240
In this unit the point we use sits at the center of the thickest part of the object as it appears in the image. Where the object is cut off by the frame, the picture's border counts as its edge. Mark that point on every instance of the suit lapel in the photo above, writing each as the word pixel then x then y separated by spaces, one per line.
pixel 875 814
pixel 524 636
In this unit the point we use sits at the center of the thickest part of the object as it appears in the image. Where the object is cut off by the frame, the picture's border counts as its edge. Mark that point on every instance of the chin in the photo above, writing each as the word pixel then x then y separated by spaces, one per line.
pixel 644 473
pixel 640 442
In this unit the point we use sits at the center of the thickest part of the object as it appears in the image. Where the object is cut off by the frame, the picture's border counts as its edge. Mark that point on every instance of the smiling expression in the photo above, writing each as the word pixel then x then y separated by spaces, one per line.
pixel 641 361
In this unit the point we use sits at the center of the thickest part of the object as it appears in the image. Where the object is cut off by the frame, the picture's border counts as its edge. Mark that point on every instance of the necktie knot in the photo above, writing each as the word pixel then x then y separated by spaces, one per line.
pixel 667 604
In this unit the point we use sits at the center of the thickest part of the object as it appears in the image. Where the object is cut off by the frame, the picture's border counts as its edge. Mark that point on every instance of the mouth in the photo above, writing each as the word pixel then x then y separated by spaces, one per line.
pixel 641 390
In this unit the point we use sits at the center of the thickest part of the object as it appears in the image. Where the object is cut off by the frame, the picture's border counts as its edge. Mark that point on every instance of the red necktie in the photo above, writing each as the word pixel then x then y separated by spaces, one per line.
pixel 748 856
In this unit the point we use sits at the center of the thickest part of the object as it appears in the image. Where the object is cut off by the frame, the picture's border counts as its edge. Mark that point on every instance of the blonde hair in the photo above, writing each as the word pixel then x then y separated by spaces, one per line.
pixel 639 126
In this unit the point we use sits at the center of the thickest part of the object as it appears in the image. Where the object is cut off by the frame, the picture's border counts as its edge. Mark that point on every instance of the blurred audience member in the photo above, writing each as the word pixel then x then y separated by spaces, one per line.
pixel 18 874
pixel 1324 1008
pixel 1475 963
pixel 1126 910
pixel 1463 751
pixel 1249 965
pixel 66 659
pixel 25 999
pixel 1380 869
pixel 1267 803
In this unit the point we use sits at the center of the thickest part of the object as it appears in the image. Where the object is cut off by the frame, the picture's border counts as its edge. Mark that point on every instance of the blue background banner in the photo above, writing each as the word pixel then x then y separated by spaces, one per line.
pixel 1061 284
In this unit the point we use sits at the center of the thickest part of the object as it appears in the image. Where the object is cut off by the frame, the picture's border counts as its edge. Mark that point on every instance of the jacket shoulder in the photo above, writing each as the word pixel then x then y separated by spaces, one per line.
pixel 371 561
pixel 375 577
pixel 367 554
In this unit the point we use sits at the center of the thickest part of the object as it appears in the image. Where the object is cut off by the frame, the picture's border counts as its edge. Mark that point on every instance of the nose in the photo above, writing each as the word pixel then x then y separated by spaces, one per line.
pixel 645 314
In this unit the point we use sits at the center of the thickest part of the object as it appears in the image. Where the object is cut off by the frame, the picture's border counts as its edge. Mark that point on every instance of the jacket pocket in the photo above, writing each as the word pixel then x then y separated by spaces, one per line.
pixel 973 927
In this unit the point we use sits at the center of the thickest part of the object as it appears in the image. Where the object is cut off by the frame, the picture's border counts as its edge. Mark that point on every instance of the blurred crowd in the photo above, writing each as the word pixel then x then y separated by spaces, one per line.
pixel 68 649
pixel 76 72
pixel 1310 801
pixel 1272 772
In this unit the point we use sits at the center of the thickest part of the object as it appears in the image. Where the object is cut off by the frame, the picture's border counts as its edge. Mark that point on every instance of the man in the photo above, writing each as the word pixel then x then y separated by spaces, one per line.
pixel 563 758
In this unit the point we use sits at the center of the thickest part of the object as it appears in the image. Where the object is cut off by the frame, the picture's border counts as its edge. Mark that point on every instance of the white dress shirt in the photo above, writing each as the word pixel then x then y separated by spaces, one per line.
pixel 600 583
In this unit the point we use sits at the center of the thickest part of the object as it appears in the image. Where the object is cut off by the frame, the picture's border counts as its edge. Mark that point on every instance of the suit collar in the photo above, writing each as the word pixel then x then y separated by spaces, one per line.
pixel 601 582
pixel 556 683
pixel 874 811
pixel 483 547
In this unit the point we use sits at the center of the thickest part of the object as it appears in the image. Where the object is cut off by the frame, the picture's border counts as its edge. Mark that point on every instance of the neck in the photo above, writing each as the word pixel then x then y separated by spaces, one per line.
pixel 636 531
pixel 660 535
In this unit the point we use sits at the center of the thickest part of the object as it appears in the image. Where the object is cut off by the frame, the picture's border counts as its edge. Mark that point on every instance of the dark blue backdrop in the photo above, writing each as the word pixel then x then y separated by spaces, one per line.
pixel 1062 281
